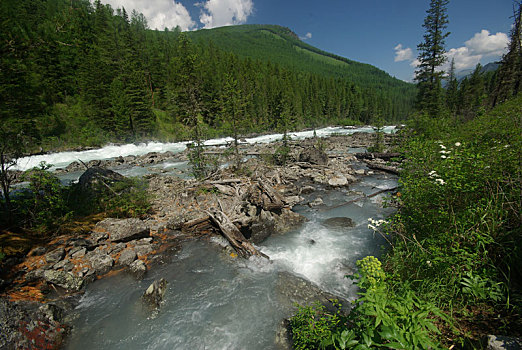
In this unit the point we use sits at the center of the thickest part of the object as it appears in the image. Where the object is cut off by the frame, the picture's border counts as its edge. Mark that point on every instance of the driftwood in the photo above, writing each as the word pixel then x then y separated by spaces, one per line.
pixel 361 198
pixel 382 167
pixel 383 156
pixel 236 239
pixel 268 198
pixel 198 225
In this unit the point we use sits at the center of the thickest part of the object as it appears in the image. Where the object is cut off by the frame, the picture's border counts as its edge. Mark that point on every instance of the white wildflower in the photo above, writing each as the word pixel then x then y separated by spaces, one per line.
pixel 440 181
pixel 442 146
pixel 506 146
pixel 458 144
pixel 428 263
pixel 443 157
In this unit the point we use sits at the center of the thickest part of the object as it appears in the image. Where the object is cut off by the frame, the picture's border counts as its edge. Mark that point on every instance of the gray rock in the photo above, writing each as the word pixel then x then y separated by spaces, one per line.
pixel 292 200
pixel 99 236
pixel 138 268
pixel 154 295
pixel 287 220
pixel 124 230
pixel 262 228
pixel 101 263
pixel 95 179
pixel 283 340
pixel 34 275
pixel 313 155
pixel 116 248
pixel 338 180
pixel 55 256
pixel 51 312
pixel 499 342
pixel 37 251
pixel 307 190
pixel 65 264
pixel 127 257
pixel 143 249
pixel 339 222
pixel 292 289
pixel 316 202
pixel 63 279
pixel 79 253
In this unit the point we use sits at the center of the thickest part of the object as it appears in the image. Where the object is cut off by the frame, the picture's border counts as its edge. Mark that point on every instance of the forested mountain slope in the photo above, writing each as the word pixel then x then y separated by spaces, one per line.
pixel 77 73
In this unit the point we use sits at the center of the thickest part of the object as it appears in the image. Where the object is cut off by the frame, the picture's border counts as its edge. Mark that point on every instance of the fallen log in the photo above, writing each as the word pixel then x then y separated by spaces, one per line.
pixel 197 225
pixel 236 239
pixel 274 202
pixel 382 167
pixel 371 155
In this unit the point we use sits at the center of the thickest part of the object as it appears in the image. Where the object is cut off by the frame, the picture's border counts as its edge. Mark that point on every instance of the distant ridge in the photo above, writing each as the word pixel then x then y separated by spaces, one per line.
pixel 282 46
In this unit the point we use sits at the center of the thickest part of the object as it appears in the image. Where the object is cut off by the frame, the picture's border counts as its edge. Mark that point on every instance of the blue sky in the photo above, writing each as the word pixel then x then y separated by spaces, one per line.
pixel 384 33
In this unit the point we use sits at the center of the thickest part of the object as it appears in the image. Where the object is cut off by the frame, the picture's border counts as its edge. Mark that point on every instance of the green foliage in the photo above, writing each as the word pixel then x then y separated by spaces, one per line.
pixel 384 316
pixel 312 325
pixel 43 208
pixel 130 199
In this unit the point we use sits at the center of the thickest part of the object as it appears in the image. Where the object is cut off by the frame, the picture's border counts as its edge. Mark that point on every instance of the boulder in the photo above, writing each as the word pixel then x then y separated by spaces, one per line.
pixel 138 268
pixel 316 202
pixel 339 222
pixel 55 255
pixel 288 220
pixel 63 279
pixel 123 230
pixel 262 228
pixel 95 180
pixel 153 296
pixel 100 262
pixel 338 180
pixel 313 155
pixel 127 257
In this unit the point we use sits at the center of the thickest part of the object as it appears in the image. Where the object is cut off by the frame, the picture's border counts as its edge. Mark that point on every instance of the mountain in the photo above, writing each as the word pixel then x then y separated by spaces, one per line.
pixel 490 67
pixel 282 46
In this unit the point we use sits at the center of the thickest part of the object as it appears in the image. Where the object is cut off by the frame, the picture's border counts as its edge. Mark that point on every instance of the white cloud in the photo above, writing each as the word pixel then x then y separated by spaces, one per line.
pixel 159 13
pixel 488 45
pixel 463 57
pixel 218 13
pixel 306 37
pixel 481 45
pixel 403 54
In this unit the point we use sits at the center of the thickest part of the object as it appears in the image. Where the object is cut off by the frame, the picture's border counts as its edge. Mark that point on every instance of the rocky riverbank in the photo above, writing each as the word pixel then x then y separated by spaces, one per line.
pixel 245 207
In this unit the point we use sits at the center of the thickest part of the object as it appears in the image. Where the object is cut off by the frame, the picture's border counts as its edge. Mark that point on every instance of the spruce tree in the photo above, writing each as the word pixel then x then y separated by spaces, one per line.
pixel 431 57
pixel 452 89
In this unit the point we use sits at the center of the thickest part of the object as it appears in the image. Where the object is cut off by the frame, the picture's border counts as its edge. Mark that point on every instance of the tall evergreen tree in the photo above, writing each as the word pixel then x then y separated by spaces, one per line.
pixel 452 89
pixel 510 72
pixel 431 57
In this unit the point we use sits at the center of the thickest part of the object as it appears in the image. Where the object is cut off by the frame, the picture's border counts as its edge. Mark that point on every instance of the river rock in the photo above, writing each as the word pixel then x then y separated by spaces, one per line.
pixel 313 155
pixel 316 202
pixel 287 220
pixel 155 293
pixel 339 222
pixel 55 256
pixel 124 230
pixel 262 228
pixel 306 190
pixel 63 279
pixel 95 180
pixel 283 339
pixel 127 257
pixel 338 181
pixel 292 289
pixel 498 342
pixel 138 268
pixel 100 262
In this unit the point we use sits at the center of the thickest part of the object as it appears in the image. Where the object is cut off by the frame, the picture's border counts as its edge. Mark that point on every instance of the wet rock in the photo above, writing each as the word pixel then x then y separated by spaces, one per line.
pixel 339 222
pixel 153 296
pixel 313 155
pixel 316 202
pixel 292 289
pixel 100 262
pixel 307 190
pixel 124 230
pixel 288 220
pixel 55 256
pixel 338 180
pixel 138 269
pixel 283 340
pixel 498 342
pixel 63 279
pixel 127 257
pixel 262 228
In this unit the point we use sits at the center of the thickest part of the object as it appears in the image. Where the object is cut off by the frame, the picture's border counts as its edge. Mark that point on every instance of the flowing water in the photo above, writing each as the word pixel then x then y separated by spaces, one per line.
pixel 215 301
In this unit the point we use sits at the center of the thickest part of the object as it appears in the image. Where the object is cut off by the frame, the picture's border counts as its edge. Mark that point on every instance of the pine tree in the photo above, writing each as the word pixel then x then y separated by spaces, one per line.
pixel 452 89
pixel 431 58
pixel 510 72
